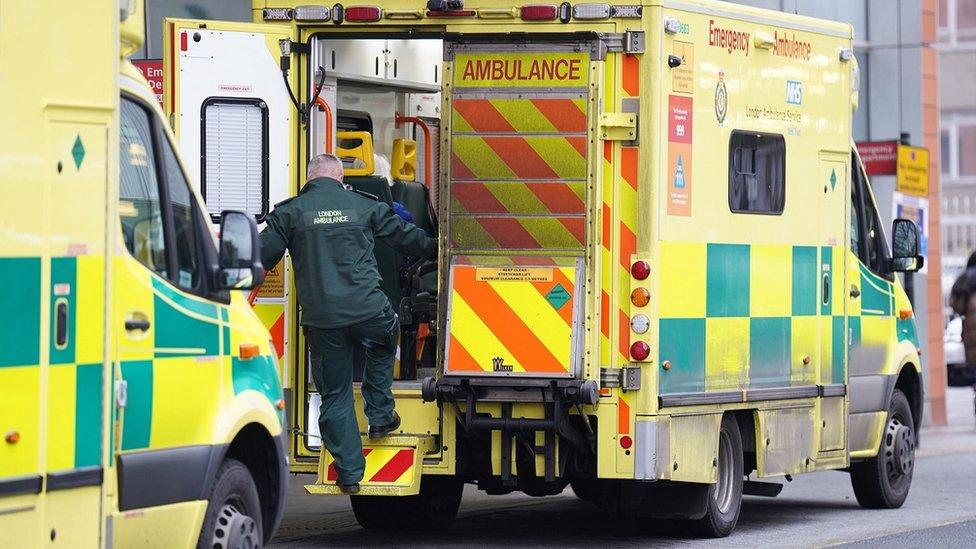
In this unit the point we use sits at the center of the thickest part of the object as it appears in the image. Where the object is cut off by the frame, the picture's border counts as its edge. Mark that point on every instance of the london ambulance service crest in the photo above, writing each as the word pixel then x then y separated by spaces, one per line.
pixel 721 99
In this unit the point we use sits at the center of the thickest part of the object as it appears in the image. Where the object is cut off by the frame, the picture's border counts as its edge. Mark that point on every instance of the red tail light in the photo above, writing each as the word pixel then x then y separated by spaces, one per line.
pixel 640 350
pixel 363 14
pixel 538 13
pixel 640 270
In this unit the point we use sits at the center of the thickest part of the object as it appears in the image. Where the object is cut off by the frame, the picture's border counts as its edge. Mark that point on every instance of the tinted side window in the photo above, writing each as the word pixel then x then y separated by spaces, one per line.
pixel 183 208
pixel 139 203
pixel 872 249
pixel 757 172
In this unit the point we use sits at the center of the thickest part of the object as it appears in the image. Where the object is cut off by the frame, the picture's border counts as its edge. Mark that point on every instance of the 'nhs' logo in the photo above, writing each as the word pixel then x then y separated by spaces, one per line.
pixel 794 92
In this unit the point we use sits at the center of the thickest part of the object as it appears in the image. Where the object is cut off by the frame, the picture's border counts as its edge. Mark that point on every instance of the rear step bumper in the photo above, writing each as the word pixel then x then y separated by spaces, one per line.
pixel 556 396
pixel 393 467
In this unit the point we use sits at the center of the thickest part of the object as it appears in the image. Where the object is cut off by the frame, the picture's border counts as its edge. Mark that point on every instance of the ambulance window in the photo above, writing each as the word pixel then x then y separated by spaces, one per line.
pixel 757 173
pixel 234 156
pixel 872 248
pixel 856 246
pixel 139 203
pixel 182 206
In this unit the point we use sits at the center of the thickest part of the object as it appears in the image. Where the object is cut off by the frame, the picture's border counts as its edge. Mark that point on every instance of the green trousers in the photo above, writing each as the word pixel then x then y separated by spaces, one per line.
pixel 331 357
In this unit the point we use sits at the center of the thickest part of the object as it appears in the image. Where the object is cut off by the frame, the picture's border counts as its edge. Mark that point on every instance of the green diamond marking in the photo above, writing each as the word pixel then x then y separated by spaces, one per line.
pixel 833 179
pixel 78 152
pixel 558 296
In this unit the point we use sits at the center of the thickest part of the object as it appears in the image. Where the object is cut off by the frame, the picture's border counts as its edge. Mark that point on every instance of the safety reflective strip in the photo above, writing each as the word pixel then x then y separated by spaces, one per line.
pixel 332 474
pixel 400 463
pixel 630 77
pixel 473 336
pixel 506 115
pixel 527 339
pixel 517 197
pixel 623 416
pixel 627 200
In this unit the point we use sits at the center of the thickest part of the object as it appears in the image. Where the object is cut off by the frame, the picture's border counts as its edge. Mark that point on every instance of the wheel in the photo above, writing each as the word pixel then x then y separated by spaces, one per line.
pixel 725 496
pixel 882 482
pixel 233 519
pixel 434 508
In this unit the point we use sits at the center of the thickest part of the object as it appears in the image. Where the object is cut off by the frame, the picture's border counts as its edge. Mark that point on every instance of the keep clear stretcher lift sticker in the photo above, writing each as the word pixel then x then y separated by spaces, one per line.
pixel 679 155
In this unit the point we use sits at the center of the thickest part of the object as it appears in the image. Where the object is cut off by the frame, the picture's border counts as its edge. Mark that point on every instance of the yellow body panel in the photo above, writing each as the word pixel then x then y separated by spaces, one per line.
pixel 79 392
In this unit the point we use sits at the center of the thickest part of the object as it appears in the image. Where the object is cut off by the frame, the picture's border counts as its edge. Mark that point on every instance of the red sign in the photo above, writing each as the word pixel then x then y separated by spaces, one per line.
pixel 679 126
pixel 152 70
pixel 879 157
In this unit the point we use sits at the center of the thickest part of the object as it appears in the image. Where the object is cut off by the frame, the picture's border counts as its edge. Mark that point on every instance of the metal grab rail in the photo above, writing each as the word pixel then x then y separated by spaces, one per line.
pixel 400 120
pixel 253 295
pixel 329 145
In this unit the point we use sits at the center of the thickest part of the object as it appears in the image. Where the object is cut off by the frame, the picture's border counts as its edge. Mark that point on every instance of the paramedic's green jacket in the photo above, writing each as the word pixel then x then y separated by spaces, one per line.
pixel 330 231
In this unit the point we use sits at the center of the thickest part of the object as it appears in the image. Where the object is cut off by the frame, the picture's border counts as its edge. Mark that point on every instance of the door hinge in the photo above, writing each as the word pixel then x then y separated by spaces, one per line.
pixel 628 379
pixel 618 126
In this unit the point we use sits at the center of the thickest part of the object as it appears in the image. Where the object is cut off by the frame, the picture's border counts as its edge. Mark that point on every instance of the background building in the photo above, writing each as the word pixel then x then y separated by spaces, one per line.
pixel 895 46
pixel 957 66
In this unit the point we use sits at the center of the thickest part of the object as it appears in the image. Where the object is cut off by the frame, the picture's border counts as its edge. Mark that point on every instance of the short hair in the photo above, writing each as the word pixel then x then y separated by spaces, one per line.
pixel 324 165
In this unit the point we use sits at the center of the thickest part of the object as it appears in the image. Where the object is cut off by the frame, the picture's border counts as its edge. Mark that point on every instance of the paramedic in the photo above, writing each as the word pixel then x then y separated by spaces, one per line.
pixel 330 231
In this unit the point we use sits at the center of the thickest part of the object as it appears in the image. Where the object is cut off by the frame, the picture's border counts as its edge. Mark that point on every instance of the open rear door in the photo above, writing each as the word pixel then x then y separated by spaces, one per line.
pixel 226 99
pixel 228 104
pixel 519 160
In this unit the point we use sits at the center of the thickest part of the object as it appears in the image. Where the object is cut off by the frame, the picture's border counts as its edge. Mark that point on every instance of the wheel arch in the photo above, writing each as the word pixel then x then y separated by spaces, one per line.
pixel 909 382
pixel 263 455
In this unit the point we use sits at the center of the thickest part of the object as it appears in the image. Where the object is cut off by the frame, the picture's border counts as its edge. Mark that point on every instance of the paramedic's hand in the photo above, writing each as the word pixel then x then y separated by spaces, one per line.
pixel 404 237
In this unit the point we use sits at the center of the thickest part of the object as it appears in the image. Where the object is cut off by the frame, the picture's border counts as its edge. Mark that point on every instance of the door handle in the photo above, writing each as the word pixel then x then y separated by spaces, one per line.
pixel 855 292
pixel 137 322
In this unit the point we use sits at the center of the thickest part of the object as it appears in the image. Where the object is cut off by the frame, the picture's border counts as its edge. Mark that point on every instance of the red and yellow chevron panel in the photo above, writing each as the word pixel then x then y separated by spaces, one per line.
pixel 384 465
pixel 511 320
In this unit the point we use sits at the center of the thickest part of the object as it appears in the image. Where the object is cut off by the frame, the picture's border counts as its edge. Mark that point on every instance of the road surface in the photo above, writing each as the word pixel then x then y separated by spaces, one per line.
pixel 814 510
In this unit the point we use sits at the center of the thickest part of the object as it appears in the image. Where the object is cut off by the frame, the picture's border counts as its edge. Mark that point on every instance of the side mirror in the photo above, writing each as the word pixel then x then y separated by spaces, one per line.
pixel 240 252
pixel 905 247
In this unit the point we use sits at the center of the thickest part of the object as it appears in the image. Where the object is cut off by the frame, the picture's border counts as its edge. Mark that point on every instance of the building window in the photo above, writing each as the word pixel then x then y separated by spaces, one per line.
pixel 234 156
pixel 958 142
pixel 757 172
pixel 957 21
pixel 967 150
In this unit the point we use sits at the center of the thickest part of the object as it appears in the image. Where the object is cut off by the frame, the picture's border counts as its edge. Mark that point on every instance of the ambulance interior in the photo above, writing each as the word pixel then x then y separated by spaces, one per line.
pixel 379 111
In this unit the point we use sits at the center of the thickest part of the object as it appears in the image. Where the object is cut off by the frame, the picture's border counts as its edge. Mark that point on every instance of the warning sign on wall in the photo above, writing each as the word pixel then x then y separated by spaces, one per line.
pixel 152 70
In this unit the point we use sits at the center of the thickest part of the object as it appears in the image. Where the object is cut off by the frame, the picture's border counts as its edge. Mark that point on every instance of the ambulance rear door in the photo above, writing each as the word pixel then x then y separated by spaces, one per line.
pixel 226 99
pixel 520 197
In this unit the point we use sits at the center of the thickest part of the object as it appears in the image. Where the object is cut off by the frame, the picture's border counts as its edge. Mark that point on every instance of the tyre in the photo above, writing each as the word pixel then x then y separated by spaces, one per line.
pixel 588 490
pixel 882 482
pixel 724 499
pixel 433 509
pixel 233 519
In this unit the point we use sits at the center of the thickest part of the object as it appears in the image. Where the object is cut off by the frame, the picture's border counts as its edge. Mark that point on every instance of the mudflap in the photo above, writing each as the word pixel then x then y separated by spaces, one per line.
pixel 393 467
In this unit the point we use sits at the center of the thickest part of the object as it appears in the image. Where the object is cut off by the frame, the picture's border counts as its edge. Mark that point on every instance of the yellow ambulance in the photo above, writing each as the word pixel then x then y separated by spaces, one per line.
pixel 140 402
pixel 662 270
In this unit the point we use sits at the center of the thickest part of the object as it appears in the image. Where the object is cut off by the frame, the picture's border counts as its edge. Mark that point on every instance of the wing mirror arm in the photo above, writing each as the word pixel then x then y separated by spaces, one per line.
pixel 239 266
